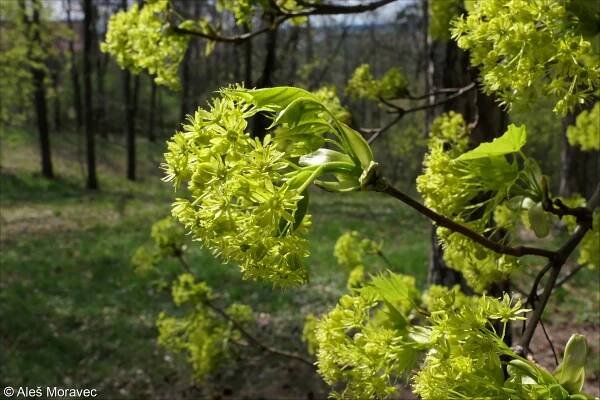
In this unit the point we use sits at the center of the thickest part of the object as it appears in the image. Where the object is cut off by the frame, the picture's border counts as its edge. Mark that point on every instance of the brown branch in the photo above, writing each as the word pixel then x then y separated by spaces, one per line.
pixel 557 207
pixel 253 339
pixel 380 184
pixel 380 131
pixel 569 275
pixel 549 341
pixel 403 111
pixel 332 9
pixel 555 265
pixel 280 16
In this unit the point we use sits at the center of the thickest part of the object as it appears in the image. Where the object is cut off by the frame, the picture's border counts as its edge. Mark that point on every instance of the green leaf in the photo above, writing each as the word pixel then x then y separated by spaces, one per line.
pixel 301 111
pixel 358 145
pixel 511 142
pixel 275 98
pixel 397 290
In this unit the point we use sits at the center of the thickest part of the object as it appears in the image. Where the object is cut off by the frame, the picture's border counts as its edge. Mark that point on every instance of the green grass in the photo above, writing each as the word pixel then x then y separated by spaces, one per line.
pixel 73 313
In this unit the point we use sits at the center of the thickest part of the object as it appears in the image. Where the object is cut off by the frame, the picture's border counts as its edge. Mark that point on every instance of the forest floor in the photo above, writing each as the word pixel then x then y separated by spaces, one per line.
pixel 74 314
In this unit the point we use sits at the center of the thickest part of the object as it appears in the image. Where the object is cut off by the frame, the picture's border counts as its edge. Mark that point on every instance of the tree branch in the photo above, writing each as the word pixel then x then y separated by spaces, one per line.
pixel 280 16
pixel 555 265
pixel 458 93
pixel 381 185
pixel 401 112
pixel 253 339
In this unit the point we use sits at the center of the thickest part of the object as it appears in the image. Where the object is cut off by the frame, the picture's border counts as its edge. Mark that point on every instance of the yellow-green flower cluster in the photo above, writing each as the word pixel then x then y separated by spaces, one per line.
pixel 362 84
pixel 202 336
pixel 140 39
pixel 328 96
pixel 168 240
pixel 239 206
pixel 480 266
pixel 350 249
pixel 363 342
pixel 528 49
pixel 450 345
pixel 248 197
pixel 586 131
pixel 476 188
pixel 441 12
pixel 464 357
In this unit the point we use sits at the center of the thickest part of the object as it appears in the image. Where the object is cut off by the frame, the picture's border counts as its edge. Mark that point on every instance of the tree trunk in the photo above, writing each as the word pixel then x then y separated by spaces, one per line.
pixel 579 169
pixel 57 105
pixel 185 85
pixel 74 73
pixel 92 180
pixel 39 96
pixel 130 99
pixel 151 118
pixel 247 60
pixel 266 79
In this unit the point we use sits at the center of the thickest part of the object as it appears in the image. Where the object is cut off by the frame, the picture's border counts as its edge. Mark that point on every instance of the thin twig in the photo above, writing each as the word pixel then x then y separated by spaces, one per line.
pixel 549 341
pixel 401 112
pixel 254 340
pixel 378 132
pixel 385 259
pixel 223 314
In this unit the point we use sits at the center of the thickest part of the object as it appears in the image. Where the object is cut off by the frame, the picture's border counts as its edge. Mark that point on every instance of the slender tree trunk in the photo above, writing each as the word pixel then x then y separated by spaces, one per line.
pixel 247 60
pixel 39 95
pixel 130 93
pixel 151 117
pixel 92 180
pixel 579 169
pixel 266 79
pixel 101 97
pixel 74 73
pixel 57 105
pixel 101 63
pixel 185 85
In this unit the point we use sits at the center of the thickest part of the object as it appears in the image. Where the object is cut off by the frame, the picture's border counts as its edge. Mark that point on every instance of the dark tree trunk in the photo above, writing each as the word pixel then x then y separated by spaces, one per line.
pixel 130 93
pixel 39 95
pixel 57 105
pixel 579 169
pixel 101 63
pixel 130 99
pixel 151 118
pixel 185 85
pixel 88 36
pixel 292 51
pixel 247 60
pixel 101 97
pixel 266 79
pixel 74 73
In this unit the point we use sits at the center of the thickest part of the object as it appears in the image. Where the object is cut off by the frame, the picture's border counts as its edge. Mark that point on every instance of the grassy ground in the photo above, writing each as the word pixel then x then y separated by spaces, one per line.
pixel 73 313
